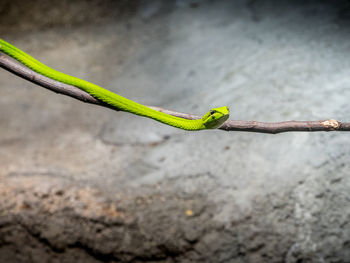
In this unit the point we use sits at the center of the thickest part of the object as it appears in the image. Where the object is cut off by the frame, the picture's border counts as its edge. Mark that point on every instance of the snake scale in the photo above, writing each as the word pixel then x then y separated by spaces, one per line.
pixel 211 120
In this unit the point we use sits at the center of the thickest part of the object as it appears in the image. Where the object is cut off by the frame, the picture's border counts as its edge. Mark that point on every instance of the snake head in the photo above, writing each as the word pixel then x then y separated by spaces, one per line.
pixel 215 117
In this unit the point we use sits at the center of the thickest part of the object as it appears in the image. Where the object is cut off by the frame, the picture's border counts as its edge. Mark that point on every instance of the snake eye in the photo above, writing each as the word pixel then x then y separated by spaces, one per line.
pixel 212 112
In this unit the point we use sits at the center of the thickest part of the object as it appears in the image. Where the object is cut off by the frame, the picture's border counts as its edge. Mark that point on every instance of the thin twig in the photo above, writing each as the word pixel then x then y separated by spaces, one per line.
pixel 22 71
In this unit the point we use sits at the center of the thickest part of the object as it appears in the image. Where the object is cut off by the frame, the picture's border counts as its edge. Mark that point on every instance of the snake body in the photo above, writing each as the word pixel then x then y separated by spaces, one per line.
pixel 211 120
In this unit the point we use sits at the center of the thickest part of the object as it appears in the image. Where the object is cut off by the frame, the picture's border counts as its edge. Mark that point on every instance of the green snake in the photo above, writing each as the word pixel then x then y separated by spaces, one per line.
pixel 211 120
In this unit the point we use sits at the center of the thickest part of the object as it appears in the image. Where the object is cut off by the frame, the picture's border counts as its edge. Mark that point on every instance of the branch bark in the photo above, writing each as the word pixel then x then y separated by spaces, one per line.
pixel 22 71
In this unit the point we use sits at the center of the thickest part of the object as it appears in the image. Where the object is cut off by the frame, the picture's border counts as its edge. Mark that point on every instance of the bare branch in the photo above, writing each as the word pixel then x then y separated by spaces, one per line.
pixel 22 71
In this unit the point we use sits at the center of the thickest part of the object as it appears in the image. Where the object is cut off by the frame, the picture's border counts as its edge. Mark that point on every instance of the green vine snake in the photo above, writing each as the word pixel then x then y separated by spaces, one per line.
pixel 211 120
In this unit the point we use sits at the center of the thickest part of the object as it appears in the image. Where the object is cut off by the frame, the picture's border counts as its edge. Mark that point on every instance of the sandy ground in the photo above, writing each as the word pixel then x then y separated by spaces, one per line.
pixel 81 183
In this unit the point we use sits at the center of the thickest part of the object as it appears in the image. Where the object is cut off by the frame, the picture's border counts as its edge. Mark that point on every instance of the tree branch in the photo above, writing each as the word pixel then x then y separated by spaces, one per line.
pixel 22 71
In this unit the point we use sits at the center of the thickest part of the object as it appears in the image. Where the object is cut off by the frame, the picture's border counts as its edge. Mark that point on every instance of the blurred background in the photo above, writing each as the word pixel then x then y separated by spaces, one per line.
pixel 82 183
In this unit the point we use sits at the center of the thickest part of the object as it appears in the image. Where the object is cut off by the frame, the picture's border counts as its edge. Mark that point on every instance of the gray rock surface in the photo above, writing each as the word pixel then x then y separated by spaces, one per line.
pixel 81 183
